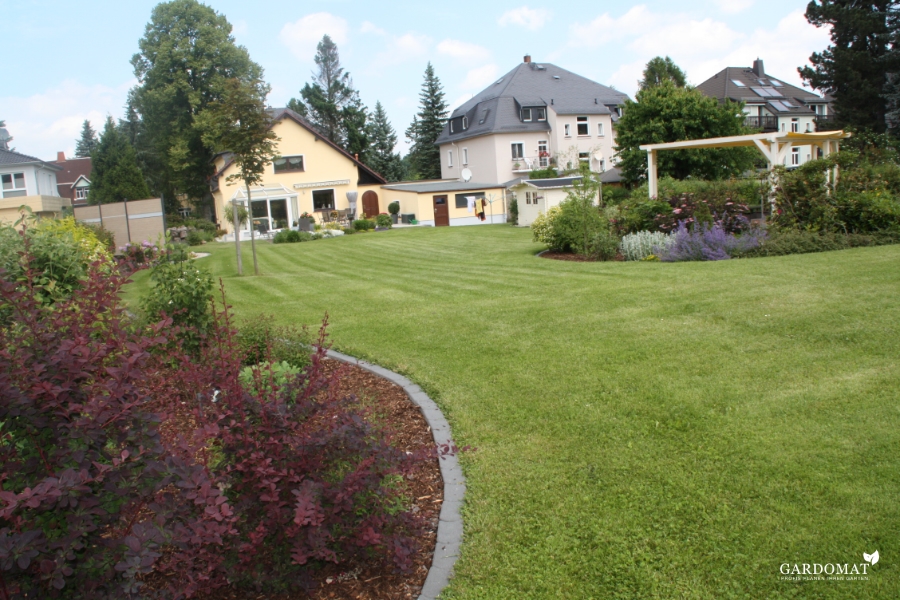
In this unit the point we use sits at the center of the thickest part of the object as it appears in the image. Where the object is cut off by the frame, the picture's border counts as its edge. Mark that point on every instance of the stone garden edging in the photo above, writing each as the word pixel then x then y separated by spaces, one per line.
pixel 450 528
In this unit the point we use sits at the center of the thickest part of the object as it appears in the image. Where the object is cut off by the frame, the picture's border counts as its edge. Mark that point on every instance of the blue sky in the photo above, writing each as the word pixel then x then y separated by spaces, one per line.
pixel 66 61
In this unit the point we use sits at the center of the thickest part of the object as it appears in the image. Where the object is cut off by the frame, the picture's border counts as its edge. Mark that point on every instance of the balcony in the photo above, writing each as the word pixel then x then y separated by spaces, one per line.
pixel 825 123
pixel 765 124
pixel 527 164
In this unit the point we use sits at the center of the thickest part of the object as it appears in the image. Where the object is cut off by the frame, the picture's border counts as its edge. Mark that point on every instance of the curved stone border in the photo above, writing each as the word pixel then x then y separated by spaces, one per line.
pixel 450 529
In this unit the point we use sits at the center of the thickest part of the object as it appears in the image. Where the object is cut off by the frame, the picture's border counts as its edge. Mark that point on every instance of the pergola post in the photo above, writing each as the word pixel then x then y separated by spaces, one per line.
pixel 651 173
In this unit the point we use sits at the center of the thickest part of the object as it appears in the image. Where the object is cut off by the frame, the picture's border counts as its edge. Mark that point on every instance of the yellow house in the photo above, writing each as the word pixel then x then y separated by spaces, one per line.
pixel 446 202
pixel 311 175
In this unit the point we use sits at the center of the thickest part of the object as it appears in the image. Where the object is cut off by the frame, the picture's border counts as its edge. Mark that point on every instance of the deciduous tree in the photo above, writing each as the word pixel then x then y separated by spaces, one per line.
pixel 661 69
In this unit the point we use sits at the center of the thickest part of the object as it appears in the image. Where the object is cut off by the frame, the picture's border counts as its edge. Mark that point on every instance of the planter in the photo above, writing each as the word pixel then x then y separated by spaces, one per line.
pixel 305 224
pixel 394 219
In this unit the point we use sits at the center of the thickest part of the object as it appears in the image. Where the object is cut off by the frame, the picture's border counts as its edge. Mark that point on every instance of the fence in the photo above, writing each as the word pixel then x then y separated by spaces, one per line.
pixel 134 221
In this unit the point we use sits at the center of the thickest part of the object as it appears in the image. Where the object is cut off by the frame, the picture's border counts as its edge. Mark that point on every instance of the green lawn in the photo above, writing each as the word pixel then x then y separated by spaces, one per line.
pixel 643 430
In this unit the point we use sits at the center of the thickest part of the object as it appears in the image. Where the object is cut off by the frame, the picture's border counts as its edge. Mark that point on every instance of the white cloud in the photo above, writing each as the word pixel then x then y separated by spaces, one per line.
pixel 368 27
pixel 688 37
pixel 529 18
pixel 478 78
pixel 463 50
pixel 45 123
pixel 409 46
pixel 734 6
pixel 302 36
pixel 239 28
pixel 605 28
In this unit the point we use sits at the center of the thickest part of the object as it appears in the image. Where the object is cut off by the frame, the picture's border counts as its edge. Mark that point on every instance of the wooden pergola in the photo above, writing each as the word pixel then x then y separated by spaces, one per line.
pixel 774 146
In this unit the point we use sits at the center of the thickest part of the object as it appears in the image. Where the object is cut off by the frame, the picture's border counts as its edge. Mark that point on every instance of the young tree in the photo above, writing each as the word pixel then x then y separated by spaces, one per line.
pixel 427 126
pixel 115 175
pixel 381 156
pixel 186 55
pixel 855 66
pixel 330 102
pixel 240 124
pixel 666 113
pixel 661 69
pixel 87 142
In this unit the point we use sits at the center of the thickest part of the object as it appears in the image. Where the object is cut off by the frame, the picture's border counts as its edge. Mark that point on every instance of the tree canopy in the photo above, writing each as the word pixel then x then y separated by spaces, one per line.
pixel 855 67
pixel 331 104
pixel 427 126
pixel 87 142
pixel 115 175
pixel 383 138
pixel 667 113
pixel 661 69
pixel 186 55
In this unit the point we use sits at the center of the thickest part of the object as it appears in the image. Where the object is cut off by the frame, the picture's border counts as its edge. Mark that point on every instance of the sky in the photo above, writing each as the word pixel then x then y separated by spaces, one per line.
pixel 63 62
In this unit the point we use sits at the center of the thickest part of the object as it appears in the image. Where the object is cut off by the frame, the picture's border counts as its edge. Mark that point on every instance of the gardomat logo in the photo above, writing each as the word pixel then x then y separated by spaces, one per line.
pixel 871 558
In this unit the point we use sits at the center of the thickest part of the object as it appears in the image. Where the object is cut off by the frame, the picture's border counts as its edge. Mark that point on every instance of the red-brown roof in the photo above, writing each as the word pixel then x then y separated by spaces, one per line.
pixel 72 169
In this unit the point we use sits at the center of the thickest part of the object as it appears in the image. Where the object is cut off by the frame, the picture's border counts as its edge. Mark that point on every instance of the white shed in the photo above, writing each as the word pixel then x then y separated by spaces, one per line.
pixel 536 196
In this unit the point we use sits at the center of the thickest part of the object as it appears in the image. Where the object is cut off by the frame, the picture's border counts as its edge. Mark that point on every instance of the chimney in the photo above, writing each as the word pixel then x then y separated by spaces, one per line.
pixel 527 58
pixel 758 68
pixel 356 156
pixel 60 157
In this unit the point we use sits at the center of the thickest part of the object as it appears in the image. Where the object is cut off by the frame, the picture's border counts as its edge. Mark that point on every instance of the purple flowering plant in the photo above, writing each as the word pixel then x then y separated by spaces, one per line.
pixel 707 242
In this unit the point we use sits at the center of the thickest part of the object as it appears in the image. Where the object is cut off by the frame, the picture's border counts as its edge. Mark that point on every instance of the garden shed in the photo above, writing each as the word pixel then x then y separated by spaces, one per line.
pixel 536 196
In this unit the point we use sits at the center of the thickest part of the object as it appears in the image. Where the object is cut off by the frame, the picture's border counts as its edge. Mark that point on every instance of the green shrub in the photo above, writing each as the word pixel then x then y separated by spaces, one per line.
pixel 266 377
pixel 548 173
pixel 260 339
pixel 183 292
pixel 106 237
pixel 613 195
pixel 288 236
pixel 332 226
pixel 348 230
pixel 783 242
pixel 513 216
pixel 394 207
pixel 383 220
pixel 363 224
pixel 194 237
pixel 603 245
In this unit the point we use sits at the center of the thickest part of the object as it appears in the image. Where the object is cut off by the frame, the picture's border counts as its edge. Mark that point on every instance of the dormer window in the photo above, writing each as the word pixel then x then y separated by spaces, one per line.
pixel 465 123
pixel 541 114
pixel 451 126
pixel 526 114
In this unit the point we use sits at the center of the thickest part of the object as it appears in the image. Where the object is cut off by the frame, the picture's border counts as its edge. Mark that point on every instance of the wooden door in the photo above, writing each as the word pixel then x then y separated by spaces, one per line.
pixel 370 204
pixel 441 211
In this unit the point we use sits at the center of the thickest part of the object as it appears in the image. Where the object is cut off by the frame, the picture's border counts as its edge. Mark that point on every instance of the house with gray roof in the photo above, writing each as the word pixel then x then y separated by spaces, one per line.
pixel 772 105
pixel 28 181
pixel 536 116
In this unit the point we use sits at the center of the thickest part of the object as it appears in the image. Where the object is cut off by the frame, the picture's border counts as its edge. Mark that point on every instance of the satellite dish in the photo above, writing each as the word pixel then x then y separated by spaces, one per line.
pixel 466 175
pixel 598 156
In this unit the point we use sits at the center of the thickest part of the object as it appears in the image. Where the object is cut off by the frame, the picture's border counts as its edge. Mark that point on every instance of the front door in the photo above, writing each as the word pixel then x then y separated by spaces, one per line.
pixel 441 212
pixel 370 204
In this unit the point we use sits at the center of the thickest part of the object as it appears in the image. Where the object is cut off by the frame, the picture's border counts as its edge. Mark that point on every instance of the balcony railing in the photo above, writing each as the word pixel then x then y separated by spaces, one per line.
pixel 825 122
pixel 530 163
pixel 766 124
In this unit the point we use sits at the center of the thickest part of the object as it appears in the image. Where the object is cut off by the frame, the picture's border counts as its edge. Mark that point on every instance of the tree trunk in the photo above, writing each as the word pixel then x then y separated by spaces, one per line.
pixel 252 238
pixel 237 236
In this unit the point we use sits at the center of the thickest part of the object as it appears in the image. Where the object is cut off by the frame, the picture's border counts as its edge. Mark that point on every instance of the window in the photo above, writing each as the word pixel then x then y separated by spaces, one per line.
pixel 530 197
pixel 465 156
pixel 543 154
pixel 13 185
pixel 782 127
pixel 795 156
pixel 568 130
pixel 323 200
pixel 795 125
pixel 738 83
pixel 269 214
pixel 584 127
pixel 526 114
pixel 518 150
pixel 81 193
pixel 286 164
pixel 541 114
pixel 600 129
pixel 451 125
pixel 462 200
pixel 465 123
pixel 449 158
pixel 584 156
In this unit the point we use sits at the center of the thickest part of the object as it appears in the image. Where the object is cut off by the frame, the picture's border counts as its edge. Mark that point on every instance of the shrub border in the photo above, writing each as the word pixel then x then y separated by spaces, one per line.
pixel 450 526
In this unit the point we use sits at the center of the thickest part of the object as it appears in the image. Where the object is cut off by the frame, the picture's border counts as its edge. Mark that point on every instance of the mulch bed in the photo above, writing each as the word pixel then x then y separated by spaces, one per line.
pixel 554 255
pixel 370 579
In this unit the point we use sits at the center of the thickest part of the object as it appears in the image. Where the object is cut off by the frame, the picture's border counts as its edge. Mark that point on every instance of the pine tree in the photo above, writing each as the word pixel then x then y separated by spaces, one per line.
pixel 330 102
pixel 661 69
pixel 115 175
pixel 355 123
pixel 87 142
pixel 855 66
pixel 427 126
pixel 383 138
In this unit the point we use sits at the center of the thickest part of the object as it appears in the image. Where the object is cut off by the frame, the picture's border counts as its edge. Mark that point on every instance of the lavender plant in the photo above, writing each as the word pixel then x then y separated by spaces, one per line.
pixel 707 242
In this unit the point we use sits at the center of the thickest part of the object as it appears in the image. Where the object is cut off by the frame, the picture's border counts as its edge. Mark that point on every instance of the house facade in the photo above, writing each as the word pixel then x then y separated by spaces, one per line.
pixel 29 181
pixel 74 180
pixel 537 196
pixel 770 105
pixel 448 202
pixel 536 116
pixel 310 175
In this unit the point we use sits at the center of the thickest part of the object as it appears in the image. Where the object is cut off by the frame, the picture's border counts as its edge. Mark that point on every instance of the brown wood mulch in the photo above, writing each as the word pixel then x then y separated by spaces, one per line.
pixel 370 579
pixel 554 255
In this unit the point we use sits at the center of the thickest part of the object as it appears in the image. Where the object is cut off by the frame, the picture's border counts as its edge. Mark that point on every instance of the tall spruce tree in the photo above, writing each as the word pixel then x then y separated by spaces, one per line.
pixel 115 175
pixel 661 69
pixel 5 138
pixel 854 68
pixel 87 142
pixel 186 55
pixel 427 126
pixel 383 138
pixel 330 102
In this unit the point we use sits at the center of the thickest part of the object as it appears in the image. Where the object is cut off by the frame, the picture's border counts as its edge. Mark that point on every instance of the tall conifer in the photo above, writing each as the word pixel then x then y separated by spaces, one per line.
pixel 427 126
pixel 87 142
pixel 383 138
pixel 115 175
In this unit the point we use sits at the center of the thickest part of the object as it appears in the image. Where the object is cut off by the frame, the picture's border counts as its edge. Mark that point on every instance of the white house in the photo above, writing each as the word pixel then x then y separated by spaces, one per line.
pixel 536 196
pixel 536 116
pixel 26 180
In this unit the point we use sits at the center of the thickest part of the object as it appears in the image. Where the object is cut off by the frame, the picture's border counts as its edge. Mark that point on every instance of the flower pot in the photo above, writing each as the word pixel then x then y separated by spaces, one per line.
pixel 394 219
pixel 305 224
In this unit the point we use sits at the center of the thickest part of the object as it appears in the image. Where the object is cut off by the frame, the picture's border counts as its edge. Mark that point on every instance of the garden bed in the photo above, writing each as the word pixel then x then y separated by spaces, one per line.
pixel 570 256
